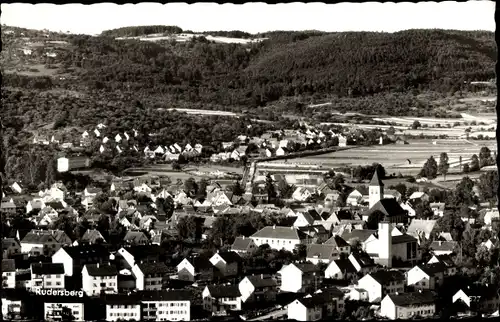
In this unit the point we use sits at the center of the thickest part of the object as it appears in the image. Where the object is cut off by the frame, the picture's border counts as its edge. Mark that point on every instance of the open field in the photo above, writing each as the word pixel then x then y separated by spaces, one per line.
pixel 188 37
pixel 407 159
pixel 197 172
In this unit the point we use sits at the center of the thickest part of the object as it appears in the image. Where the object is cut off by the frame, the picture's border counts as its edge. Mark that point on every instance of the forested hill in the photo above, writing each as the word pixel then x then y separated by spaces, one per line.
pixel 305 66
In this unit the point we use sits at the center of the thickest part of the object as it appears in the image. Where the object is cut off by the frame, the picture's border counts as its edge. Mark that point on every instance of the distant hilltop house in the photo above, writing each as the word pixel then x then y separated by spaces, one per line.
pixel 65 164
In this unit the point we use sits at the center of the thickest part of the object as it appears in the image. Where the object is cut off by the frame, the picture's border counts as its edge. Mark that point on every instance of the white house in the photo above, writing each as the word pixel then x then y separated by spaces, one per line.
pixel 118 138
pixel 319 306
pixel 340 269
pixel 478 297
pixel 258 288
pixel 97 278
pixel 382 282
pixel 169 305
pixel 97 133
pixel 279 237
pixel 243 245
pixel 491 215
pixel 437 208
pixel 228 263
pixel 220 299
pixel 301 194
pixel 408 305
pixel 47 276
pixel 16 187
pixel 122 307
pixel 150 276
pixel 9 273
pixel 426 277
pixel 42 242
pixel 53 309
pixel 322 253
pixel 300 277
pixel 354 198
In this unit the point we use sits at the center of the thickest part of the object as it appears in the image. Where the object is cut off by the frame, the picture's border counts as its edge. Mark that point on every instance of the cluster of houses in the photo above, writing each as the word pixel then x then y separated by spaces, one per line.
pixel 344 260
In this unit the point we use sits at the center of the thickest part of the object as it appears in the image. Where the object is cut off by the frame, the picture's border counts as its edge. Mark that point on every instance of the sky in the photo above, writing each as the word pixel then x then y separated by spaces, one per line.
pixel 254 17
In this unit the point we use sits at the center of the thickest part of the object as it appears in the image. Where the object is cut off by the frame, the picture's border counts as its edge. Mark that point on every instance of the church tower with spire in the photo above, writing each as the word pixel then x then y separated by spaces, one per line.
pixel 376 189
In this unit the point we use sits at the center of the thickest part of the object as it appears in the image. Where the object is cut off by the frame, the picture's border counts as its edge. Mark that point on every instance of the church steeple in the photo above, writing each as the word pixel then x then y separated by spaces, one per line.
pixel 376 189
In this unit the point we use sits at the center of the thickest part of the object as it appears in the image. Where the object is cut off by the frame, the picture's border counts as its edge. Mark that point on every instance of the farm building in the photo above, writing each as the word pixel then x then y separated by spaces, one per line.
pixel 72 163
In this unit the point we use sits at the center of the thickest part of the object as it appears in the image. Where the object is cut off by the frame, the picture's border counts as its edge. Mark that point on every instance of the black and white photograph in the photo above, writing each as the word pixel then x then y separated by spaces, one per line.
pixel 249 162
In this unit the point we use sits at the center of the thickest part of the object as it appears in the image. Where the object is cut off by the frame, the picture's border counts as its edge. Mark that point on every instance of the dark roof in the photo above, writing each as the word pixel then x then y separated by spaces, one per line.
pixel 376 180
pixel 122 299
pixel 200 263
pixel 141 251
pixel 92 235
pixel 322 251
pixel 154 268
pixel 15 294
pixel 306 267
pixel 432 269
pixel 318 299
pixel 47 268
pixel 8 265
pixel 101 270
pixel 363 259
pixel 56 205
pixel 287 221
pixel 170 295
pixel 337 241
pixel 345 265
pixel 477 289
pixel 413 298
pixel 230 257
pixel 361 234
pixel 403 239
pixel 86 251
pixel 384 277
pixel 259 281
pixel 241 243
pixel 388 206
pixel 135 236
pixel 446 260
pixel 314 214
pixel 219 291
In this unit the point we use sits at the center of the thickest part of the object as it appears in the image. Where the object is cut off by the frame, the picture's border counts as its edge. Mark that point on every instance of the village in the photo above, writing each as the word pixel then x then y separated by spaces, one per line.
pixel 151 249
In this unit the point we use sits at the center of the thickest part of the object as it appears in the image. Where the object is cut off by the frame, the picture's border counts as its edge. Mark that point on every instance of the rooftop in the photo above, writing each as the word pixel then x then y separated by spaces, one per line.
pixel 47 268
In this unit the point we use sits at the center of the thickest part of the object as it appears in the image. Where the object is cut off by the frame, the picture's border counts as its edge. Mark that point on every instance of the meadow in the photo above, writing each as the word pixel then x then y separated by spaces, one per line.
pixel 406 159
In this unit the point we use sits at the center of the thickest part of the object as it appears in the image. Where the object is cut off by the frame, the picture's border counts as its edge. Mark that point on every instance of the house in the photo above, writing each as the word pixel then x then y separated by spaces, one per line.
pixel 243 245
pixel 300 277
pixel 228 263
pixel 322 253
pixel 98 278
pixel 136 238
pixel 391 193
pixel 408 305
pixel 13 303
pixel 279 237
pixel 478 297
pixel 150 276
pixel 409 209
pixel 443 247
pixel 43 242
pixel 54 306
pixel 362 262
pixel 390 209
pixel 10 246
pixel 130 255
pixel 340 269
pixel 451 268
pixel 75 257
pixel 8 207
pixel 195 269
pixel 437 208
pixel 381 283
pixel 258 288
pixel 418 196
pixel 301 194
pixel 321 305
pixel 491 215
pixel 92 236
pixel 354 198
pixel 73 163
pixel 422 228
pixel 122 307
pixel 47 276
pixel 34 204
pixel 220 299
pixel 281 151
pixel 120 186
pixel 8 273
pixel 144 189
pixel 16 187
pixel 340 244
pixel 426 277
pixel 155 304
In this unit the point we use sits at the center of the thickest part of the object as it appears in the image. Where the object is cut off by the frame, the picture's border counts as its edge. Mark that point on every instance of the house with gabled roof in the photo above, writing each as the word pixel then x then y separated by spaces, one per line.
pixel 422 228
pixel 99 278
pixel 443 247
pixel 74 257
pixel 47 276
pixel 10 246
pixel 382 282
pixel 43 242
pixel 279 237
pixel 300 277
pixel 221 299
pixel 426 277
pixel 477 297
pixel 8 274
pixel 92 236
pixel 243 245
pixel 322 253
pixel 228 263
pixel 136 238
pixel 258 288
pixel 340 269
pixel 322 305
pixel 196 269
pixel 150 276
pixel 403 306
